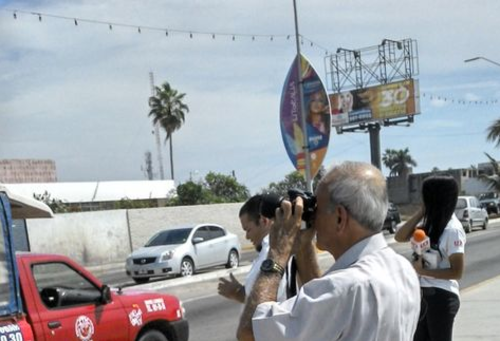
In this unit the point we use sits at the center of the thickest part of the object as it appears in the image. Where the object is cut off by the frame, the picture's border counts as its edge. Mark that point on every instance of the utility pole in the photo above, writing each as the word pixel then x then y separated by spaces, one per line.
pixel 307 154
pixel 148 170
pixel 157 130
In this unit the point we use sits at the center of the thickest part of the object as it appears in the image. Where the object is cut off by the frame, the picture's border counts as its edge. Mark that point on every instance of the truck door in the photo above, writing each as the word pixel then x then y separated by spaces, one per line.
pixel 70 306
pixel 10 299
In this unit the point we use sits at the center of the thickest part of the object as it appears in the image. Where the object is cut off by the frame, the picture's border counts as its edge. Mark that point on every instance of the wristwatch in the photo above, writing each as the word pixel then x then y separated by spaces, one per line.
pixel 271 266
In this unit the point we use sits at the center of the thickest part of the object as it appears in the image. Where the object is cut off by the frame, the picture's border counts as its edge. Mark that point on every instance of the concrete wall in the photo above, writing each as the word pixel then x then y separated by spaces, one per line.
pixel 145 222
pixel 397 188
pixel 89 238
pixel 105 237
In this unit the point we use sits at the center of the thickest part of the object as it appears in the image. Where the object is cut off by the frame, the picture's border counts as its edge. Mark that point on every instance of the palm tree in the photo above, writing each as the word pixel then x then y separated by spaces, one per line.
pixel 168 110
pixel 492 180
pixel 398 161
pixel 494 133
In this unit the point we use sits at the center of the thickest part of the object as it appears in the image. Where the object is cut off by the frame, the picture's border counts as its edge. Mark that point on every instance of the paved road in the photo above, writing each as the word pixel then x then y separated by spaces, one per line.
pixel 116 277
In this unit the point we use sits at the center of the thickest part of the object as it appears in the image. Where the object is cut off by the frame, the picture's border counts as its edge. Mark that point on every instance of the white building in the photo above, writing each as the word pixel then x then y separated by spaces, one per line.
pixel 97 195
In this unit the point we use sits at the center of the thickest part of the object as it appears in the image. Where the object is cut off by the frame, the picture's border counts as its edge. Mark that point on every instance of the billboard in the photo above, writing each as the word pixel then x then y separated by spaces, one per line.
pixel 317 111
pixel 375 103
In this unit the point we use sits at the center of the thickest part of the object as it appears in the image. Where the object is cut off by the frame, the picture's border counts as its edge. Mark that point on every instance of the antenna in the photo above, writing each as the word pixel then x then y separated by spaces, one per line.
pixel 157 129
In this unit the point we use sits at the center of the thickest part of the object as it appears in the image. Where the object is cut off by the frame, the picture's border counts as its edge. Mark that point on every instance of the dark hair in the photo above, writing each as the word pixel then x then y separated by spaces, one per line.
pixel 440 194
pixel 252 208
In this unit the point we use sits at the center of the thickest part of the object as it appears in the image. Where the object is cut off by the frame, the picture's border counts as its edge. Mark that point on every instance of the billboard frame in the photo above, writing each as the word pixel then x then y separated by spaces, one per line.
pixel 381 64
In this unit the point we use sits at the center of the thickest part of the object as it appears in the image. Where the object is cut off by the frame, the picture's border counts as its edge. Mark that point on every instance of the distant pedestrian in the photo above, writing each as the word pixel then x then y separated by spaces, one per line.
pixel 438 278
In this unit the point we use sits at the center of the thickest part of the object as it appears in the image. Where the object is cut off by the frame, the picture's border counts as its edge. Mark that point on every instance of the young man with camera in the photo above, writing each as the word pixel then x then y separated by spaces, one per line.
pixel 256 229
pixel 370 293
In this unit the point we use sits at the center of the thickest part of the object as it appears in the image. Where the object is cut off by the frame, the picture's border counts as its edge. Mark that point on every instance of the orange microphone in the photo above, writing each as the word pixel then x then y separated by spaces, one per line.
pixel 420 242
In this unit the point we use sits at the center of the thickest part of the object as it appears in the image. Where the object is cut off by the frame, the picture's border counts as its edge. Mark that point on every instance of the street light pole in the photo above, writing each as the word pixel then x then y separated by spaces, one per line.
pixel 483 58
pixel 305 141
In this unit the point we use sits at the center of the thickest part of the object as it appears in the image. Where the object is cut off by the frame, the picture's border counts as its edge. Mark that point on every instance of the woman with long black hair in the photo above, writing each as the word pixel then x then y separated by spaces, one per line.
pixel 441 266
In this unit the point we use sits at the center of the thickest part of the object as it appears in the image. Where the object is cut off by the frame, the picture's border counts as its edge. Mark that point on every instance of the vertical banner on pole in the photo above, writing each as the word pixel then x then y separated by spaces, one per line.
pixel 318 116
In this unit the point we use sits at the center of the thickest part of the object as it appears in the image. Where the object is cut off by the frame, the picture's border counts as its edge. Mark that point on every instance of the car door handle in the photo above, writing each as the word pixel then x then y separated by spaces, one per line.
pixel 54 324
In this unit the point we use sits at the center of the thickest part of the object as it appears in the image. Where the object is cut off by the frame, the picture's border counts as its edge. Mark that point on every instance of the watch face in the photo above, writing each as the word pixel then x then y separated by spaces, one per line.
pixel 267 265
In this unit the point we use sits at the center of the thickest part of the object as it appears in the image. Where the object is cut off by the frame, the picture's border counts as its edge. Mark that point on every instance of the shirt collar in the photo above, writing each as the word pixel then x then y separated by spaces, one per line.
pixel 363 247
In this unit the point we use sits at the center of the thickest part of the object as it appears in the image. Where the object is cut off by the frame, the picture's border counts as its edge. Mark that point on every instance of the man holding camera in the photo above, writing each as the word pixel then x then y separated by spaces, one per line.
pixel 370 293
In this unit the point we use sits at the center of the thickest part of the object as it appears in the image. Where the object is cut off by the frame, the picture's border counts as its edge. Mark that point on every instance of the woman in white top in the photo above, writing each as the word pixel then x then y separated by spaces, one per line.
pixel 441 266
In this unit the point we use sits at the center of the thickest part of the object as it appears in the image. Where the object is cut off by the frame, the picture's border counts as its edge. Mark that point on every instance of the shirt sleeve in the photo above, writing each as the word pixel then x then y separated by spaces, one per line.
pixel 455 241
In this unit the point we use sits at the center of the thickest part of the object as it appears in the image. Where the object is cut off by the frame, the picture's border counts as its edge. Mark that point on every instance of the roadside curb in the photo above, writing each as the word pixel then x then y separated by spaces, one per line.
pixel 169 283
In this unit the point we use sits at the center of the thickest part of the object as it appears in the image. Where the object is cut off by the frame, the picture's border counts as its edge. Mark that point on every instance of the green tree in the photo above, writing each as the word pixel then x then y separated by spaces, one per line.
pixel 492 180
pixel 192 193
pixel 168 109
pixel 216 188
pixel 225 188
pixel 398 161
pixel 293 180
pixel 494 133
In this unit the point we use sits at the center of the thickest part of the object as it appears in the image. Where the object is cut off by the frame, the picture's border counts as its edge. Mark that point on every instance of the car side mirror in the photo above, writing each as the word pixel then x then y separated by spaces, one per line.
pixel 197 240
pixel 105 294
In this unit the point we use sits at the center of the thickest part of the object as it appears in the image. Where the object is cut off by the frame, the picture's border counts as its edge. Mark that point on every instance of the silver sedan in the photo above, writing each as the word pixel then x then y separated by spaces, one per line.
pixel 183 250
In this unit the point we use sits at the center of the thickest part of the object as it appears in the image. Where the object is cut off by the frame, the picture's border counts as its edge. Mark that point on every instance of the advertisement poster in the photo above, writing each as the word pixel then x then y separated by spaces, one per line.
pixel 317 111
pixel 375 103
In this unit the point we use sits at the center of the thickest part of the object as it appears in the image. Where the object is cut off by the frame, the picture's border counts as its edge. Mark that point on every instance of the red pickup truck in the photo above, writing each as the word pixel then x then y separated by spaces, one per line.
pixel 50 297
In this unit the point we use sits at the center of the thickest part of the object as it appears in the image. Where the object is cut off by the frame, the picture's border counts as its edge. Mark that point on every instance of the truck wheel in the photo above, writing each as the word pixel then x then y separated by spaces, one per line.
pixel 233 260
pixel 152 335
pixel 187 267
pixel 140 280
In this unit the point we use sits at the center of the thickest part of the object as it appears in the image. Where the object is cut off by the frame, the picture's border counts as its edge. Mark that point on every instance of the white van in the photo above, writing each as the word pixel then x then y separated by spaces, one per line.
pixel 470 213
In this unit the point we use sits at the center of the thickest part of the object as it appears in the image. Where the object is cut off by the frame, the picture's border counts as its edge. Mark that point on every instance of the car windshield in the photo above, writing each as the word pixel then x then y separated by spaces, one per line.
pixel 461 203
pixel 170 237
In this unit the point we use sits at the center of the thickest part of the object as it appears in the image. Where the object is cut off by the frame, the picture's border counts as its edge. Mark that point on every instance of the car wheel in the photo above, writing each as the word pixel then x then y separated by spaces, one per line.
pixel 392 227
pixel 485 224
pixel 140 280
pixel 153 335
pixel 233 260
pixel 468 227
pixel 187 267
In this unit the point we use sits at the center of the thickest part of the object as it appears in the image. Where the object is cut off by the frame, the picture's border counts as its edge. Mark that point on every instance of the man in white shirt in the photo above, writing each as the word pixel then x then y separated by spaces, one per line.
pixel 370 293
pixel 256 229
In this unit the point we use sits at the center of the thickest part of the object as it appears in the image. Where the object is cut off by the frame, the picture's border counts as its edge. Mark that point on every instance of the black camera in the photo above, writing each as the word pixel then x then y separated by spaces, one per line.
pixel 270 202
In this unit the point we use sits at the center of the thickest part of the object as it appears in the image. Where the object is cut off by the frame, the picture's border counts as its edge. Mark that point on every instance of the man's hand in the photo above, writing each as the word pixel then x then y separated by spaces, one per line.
pixel 285 230
pixel 231 289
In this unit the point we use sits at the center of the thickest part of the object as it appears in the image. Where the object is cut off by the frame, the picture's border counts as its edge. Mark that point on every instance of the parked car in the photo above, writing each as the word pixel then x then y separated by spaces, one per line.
pixel 470 213
pixel 490 202
pixel 183 250
pixel 392 218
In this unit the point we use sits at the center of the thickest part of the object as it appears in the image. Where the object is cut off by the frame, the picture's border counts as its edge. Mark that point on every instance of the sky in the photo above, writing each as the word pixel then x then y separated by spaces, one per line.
pixel 78 94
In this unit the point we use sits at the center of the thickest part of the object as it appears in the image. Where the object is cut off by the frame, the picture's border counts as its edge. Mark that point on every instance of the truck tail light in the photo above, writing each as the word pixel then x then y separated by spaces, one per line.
pixel 180 311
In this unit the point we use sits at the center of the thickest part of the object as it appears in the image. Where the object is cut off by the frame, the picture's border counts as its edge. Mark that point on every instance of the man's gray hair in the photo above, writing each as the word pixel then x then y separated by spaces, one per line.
pixel 362 190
